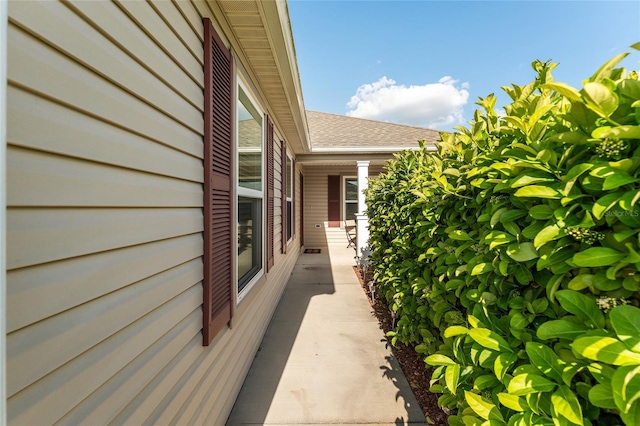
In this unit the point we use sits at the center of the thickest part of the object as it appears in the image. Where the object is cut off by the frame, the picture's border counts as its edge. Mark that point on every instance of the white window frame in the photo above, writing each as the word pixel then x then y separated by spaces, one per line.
pixel 344 197
pixel 249 193
pixel 290 177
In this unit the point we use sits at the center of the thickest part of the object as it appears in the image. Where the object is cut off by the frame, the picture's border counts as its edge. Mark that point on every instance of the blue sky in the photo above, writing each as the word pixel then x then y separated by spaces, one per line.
pixel 425 63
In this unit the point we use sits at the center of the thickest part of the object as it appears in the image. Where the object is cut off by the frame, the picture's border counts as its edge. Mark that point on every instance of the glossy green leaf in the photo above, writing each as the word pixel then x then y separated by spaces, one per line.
pixel 451 377
pixel 581 282
pixel 549 233
pixel 545 359
pixel 481 268
pixel 489 339
pixel 600 98
pixel 582 306
pixel 620 132
pixel 541 212
pixel 625 320
pixel 513 402
pixel 524 384
pixel 565 403
pixel 597 256
pixel 502 364
pixel 564 89
pixel 605 349
pixel 522 252
pixel 602 396
pixel 604 204
pixel 538 191
pixel 482 407
pixel 560 329
pixel 625 384
pixel 455 330
pixel 439 359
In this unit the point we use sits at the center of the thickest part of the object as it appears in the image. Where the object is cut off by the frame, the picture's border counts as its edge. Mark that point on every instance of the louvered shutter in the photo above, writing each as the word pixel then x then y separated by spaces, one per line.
pixel 333 202
pixel 285 206
pixel 218 185
pixel 270 193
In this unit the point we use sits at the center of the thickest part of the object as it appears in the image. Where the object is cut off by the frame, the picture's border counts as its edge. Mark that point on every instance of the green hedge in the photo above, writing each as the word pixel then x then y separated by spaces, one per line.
pixel 511 256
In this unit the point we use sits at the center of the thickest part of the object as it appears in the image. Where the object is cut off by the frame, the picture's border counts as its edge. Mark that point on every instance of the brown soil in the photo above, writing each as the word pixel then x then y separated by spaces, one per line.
pixel 410 361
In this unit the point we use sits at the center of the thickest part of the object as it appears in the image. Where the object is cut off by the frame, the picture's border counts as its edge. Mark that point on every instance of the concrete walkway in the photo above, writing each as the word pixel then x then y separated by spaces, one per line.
pixel 324 359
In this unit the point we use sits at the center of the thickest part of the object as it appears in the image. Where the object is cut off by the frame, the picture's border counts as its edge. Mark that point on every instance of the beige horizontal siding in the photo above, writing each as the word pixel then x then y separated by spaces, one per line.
pixel 105 218
pixel 40 69
pixel 43 179
pixel 47 126
pixel 42 235
pixel 35 292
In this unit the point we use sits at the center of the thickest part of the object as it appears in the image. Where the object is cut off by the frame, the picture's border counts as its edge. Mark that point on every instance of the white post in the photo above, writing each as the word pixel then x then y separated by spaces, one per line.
pixel 362 220
pixel 3 208
pixel 363 183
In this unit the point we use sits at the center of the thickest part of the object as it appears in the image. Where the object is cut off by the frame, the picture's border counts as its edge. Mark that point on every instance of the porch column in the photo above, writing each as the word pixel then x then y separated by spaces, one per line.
pixel 362 221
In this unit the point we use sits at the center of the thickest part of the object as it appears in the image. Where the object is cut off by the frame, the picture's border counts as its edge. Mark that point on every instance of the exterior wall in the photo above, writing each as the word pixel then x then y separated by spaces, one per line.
pixel 315 204
pixel 105 220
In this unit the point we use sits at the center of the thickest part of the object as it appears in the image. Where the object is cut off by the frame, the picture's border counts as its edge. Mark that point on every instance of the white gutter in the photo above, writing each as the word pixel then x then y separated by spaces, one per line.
pixel 385 149
pixel 4 18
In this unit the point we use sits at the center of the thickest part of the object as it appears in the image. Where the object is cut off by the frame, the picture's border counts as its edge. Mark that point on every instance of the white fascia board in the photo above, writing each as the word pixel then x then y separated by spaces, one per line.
pixel 385 149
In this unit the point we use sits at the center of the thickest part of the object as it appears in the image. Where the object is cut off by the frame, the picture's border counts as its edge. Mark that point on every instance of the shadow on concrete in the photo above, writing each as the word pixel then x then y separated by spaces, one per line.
pixel 320 358
pixel 394 373
pixel 310 277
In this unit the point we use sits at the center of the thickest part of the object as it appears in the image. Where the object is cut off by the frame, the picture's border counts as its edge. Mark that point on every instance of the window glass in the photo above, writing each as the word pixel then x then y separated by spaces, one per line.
pixel 249 239
pixel 351 189
pixel 249 144
pixel 250 191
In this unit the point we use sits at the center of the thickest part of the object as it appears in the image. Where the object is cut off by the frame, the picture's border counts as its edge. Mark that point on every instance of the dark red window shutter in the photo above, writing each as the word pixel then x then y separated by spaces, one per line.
pixel 283 174
pixel 219 222
pixel 270 193
pixel 333 203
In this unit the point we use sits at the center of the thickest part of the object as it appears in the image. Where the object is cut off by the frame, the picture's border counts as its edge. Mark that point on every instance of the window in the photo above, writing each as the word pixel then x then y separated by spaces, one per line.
pixel 289 210
pixel 350 198
pixel 249 190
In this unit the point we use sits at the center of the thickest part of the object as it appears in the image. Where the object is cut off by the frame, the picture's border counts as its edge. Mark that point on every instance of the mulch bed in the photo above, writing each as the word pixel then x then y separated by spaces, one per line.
pixel 410 361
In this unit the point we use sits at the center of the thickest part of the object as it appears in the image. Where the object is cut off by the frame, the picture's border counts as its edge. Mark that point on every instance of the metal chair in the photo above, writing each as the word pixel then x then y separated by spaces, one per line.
pixel 350 230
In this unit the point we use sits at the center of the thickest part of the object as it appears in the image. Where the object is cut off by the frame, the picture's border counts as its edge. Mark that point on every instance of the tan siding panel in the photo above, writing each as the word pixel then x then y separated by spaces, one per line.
pixel 44 125
pixel 102 406
pixel 33 294
pixel 111 21
pixel 40 179
pixel 191 15
pixel 57 25
pixel 44 235
pixel 147 19
pixel 81 325
pixel 46 71
pixel 140 408
pixel 67 386
pixel 180 27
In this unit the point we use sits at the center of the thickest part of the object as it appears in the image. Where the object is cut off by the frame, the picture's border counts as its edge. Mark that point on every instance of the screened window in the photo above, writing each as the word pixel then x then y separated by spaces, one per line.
pixel 250 190
pixel 350 198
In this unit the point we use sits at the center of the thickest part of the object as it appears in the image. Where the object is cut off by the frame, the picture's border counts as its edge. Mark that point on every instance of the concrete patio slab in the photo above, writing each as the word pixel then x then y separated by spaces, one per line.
pixel 323 359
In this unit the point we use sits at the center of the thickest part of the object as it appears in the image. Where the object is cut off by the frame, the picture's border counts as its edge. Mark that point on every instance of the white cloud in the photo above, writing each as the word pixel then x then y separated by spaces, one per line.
pixel 431 105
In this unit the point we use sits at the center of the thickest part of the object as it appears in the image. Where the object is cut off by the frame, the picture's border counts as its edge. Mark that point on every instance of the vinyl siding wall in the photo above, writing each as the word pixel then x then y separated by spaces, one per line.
pixel 315 204
pixel 105 221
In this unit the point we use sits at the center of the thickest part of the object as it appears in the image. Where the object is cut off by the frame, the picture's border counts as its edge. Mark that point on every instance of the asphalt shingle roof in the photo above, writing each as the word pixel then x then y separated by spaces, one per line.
pixel 340 131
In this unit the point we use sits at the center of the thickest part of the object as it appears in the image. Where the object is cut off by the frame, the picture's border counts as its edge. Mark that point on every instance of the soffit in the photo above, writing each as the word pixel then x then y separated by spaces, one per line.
pixel 262 34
